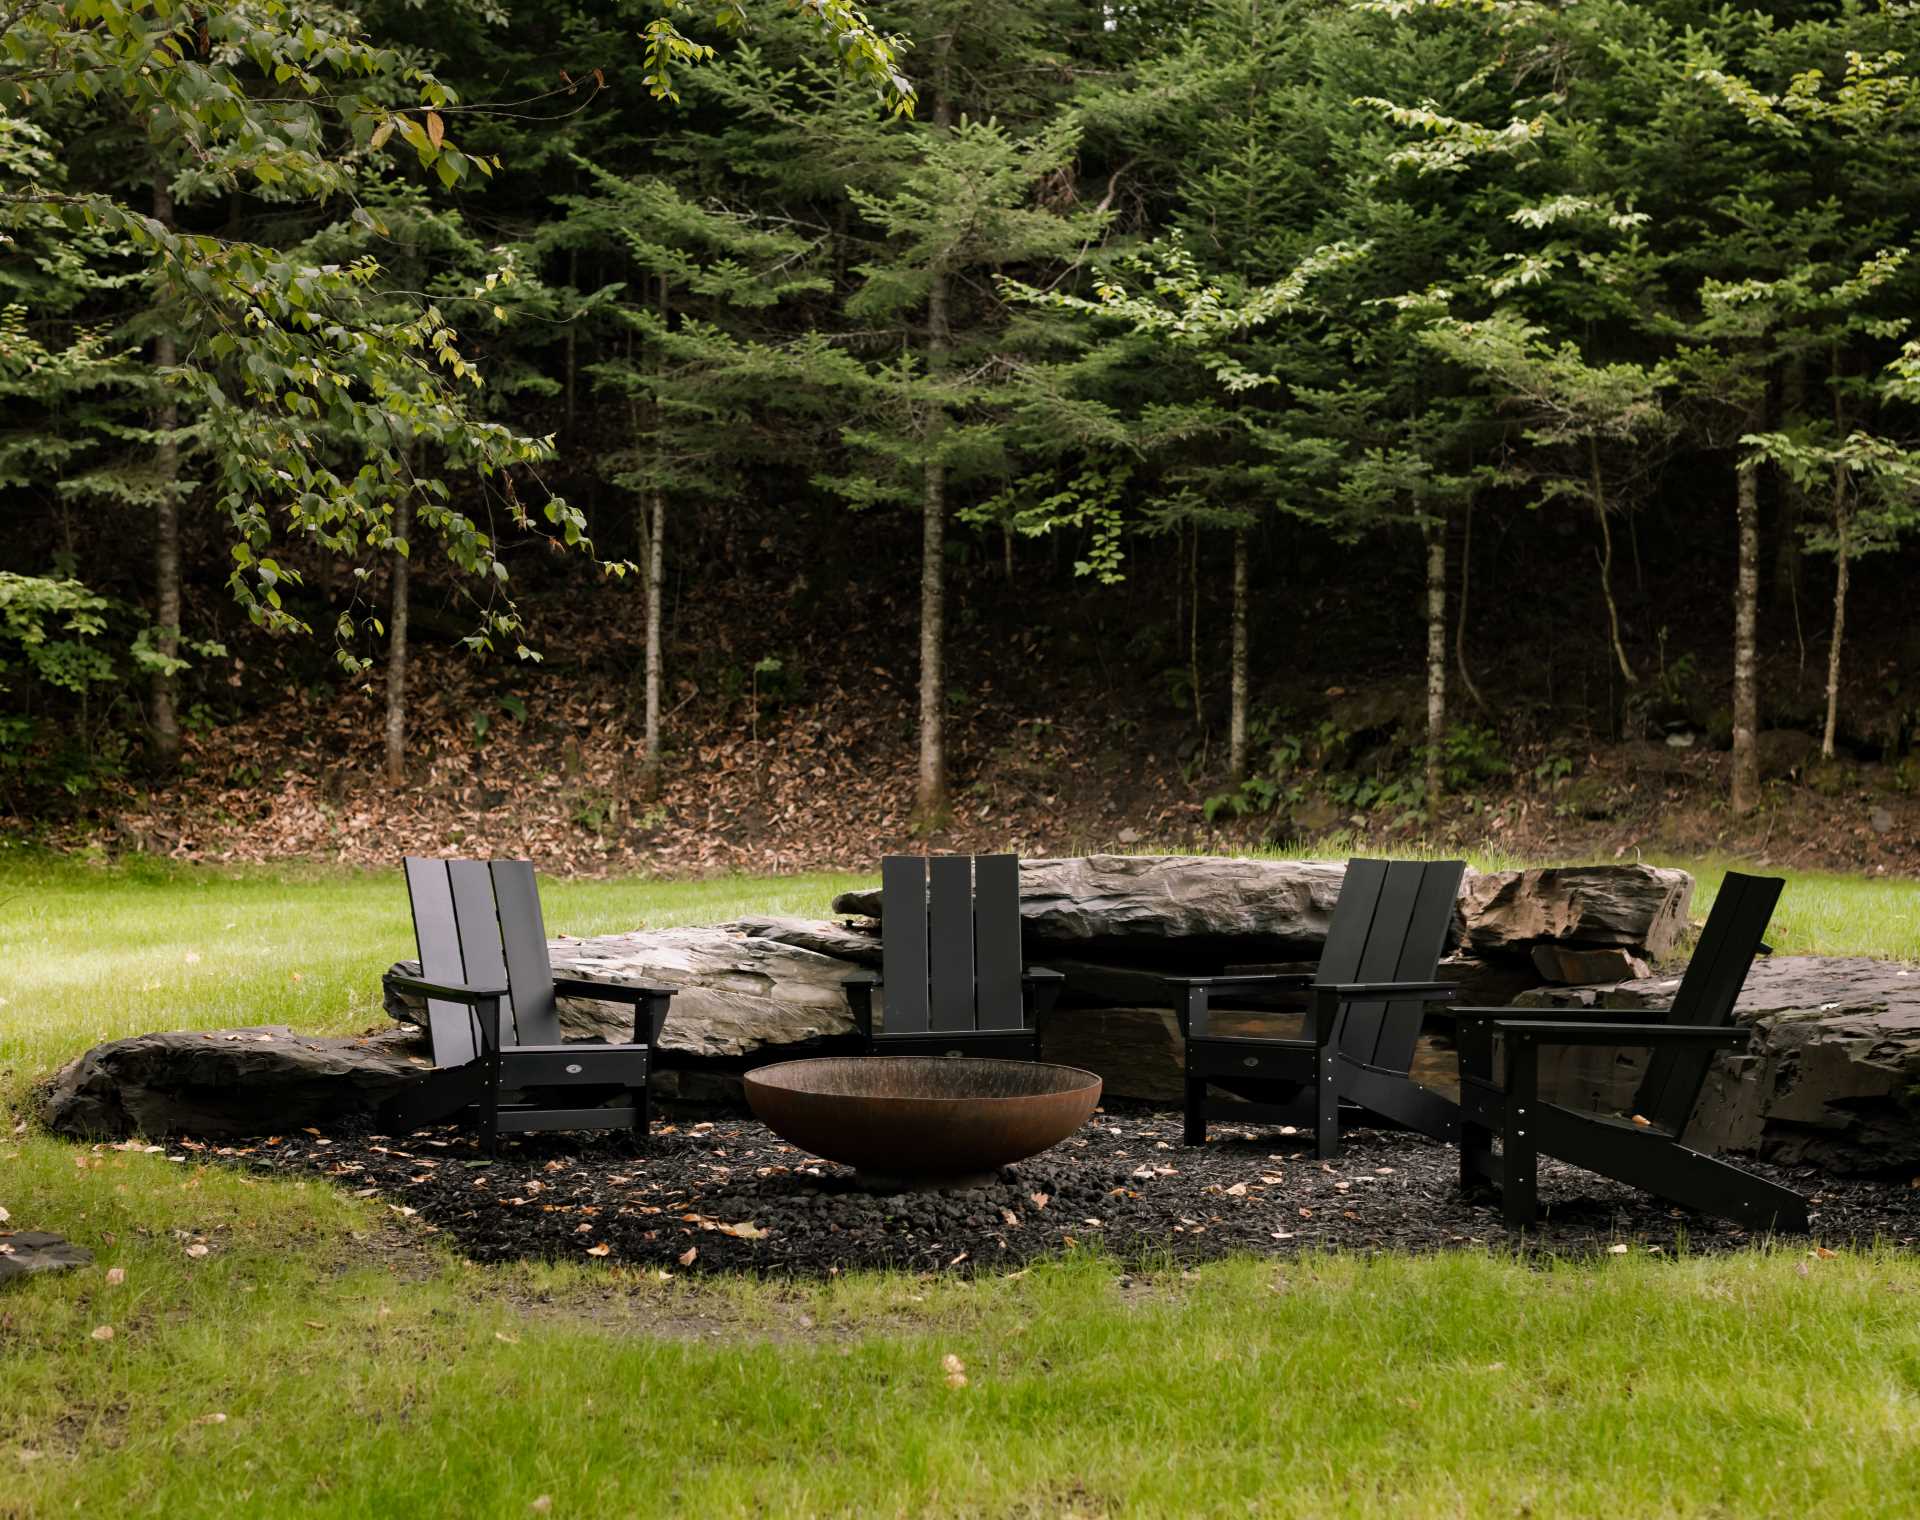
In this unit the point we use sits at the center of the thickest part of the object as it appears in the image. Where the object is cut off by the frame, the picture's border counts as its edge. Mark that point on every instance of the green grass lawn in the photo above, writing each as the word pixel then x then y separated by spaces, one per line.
pixel 362 1370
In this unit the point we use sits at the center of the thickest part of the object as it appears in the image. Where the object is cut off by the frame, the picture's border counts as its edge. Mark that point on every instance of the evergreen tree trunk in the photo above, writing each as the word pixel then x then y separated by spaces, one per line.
pixel 1840 573
pixel 398 607
pixel 1746 681
pixel 1460 613
pixel 1237 673
pixel 656 596
pixel 164 716
pixel 1436 535
pixel 656 591
pixel 1606 560
pixel 930 800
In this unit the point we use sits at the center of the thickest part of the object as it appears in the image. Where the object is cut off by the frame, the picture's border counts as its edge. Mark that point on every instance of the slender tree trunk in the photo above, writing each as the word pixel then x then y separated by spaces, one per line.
pixel 165 716
pixel 398 609
pixel 650 765
pixel 930 802
pixel 1606 560
pixel 1460 613
pixel 1435 530
pixel 1793 505
pixel 656 594
pixel 573 325
pixel 1237 672
pixel 1746 681
pixel 1841 565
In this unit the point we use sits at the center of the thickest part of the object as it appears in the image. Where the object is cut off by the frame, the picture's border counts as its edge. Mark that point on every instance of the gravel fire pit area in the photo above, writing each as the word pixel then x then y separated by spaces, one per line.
pixel 729 1196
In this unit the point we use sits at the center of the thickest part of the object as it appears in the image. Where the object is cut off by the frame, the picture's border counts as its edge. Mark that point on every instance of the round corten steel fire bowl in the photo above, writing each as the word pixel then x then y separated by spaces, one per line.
pixel 922 1121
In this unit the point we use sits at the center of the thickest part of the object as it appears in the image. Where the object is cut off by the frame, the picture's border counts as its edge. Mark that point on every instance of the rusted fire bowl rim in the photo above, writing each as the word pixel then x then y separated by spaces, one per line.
pixel 922 1121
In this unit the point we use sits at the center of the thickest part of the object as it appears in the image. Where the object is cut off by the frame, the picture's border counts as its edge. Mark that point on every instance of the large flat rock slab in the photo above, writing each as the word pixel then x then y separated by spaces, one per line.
pixel 227 1081
pixel 1149 902
pixel 740 988
pixel 1637 907
pixel 1146 907
pixel 1832 1077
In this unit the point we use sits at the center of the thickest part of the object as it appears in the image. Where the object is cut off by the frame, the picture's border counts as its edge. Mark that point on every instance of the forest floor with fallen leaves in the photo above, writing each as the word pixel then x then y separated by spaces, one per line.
pixel 551 771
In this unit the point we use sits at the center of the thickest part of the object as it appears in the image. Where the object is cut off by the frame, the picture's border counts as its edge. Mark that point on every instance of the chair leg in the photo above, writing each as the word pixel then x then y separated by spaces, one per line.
pixel 1519 1142
pixel 642 1110
pixel 489 1105
pixel 1196 1111
pixel 1326 1113
pixel 1476 1157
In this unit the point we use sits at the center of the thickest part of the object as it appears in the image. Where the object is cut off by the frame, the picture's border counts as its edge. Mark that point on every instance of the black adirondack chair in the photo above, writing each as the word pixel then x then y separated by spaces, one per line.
pixel 951 967
pixel 490 993
pixel 1365 1001
pixel 1643 1149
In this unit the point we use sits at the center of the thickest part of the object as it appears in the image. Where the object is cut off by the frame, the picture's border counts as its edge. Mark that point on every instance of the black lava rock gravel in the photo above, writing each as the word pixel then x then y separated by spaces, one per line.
pixel 729 1196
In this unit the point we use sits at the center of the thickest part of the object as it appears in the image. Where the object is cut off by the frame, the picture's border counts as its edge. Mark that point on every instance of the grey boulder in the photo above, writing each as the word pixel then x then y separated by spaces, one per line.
pixel 1643 908
pixel 1140 905
pixel 27 1253
pixel 741 987
pixel 1146 902
pixel 227 1081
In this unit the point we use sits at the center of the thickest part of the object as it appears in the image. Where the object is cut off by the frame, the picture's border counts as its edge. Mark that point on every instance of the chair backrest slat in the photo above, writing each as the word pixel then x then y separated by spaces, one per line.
pixel 1352 921
pixel 1391 924
pixel 479 925
pixel 1708 991
pixel 449 1025
pixel 903 944
pixel 996 940
pixel 523 936
pixel 950 942
pixel 1380 958
pixel 1390 1038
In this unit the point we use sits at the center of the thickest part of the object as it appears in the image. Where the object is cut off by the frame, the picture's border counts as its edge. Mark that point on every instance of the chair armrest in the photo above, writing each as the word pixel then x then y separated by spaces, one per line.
pixel 1244 981
pixel 1380 991
pixel 861 978
pixel 1603 1033
pixel 1537 1015
pixel 449 992
pixel 609 992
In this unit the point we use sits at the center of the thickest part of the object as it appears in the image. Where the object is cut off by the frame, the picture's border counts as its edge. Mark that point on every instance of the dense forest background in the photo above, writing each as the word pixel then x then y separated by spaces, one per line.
pixel 1248 420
